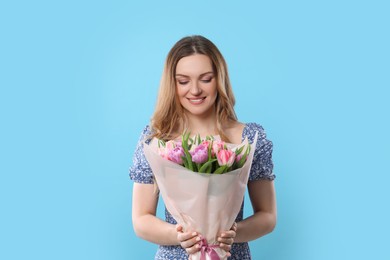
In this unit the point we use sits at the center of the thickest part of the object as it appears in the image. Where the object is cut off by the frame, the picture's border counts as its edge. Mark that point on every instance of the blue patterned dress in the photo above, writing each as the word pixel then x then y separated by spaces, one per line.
pixel 262 168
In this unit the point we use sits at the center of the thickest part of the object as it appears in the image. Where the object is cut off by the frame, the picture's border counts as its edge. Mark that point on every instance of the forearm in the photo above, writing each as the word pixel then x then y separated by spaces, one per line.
pixel 146 225
pixel 255 226
pixel 155 230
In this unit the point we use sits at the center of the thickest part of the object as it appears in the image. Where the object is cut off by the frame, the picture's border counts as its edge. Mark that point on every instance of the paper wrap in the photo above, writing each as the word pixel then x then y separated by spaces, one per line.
pixel 205 203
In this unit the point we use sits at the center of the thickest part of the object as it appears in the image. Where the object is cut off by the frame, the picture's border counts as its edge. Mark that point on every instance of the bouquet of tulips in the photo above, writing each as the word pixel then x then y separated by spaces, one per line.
pixel 209 155
pixel 202 183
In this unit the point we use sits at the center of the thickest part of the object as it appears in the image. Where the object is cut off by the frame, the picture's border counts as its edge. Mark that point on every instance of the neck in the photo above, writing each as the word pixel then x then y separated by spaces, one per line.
pixel 203 125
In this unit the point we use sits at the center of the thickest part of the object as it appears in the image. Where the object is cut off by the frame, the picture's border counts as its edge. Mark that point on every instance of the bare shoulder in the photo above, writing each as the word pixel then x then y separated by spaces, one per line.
pixel 233 131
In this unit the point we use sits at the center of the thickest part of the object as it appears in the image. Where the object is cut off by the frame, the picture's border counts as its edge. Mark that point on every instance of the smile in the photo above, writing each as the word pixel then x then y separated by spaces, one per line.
pixel 196 101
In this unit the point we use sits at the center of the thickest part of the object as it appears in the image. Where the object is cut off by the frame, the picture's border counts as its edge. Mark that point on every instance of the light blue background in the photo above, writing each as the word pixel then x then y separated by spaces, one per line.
pixel 79 80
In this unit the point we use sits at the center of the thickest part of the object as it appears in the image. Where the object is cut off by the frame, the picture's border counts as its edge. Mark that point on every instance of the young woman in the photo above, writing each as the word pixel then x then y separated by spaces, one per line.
pixel 195 94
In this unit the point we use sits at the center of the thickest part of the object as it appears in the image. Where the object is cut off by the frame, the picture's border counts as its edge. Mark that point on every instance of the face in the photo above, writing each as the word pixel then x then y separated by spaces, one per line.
pixel 196 85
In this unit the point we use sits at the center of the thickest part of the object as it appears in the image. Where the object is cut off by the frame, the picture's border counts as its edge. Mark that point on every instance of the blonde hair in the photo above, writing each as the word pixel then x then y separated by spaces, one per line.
pixel 169 117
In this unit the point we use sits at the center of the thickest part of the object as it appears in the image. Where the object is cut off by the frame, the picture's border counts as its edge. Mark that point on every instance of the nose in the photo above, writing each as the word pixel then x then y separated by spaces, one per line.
pixel 195 89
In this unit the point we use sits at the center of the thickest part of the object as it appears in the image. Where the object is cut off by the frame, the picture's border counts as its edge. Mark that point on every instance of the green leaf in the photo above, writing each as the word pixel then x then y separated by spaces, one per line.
pixel 244 156
pixel 161 143
pixel 220 170
pixel 206 166
pixel 209 168
pixel 209 150
pixel 184 141
pixel 196 167
pixel 189 160
pixel 239 150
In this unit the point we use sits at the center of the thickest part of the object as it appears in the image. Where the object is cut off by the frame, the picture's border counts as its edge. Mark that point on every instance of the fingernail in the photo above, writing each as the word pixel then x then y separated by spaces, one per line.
pixel 198 239
pixel 194 233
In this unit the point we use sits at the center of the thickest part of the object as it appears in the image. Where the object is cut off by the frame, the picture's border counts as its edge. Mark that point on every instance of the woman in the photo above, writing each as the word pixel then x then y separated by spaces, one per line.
pixel 195 94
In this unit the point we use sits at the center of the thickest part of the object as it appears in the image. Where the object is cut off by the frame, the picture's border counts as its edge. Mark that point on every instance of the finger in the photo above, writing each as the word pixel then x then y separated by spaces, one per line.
pixel 184 236
pixel 192 250
pixel 179 228
pixel 228 234
pixel 225 247
pixel 191 242
pixel 227 241
pixel 234 227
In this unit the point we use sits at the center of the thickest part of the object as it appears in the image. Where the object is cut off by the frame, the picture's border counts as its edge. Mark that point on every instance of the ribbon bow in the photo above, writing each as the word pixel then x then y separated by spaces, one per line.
pixel 206 249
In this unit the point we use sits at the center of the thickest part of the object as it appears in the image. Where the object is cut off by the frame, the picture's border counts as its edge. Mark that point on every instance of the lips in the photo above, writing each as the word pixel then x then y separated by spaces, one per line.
pixel 196 101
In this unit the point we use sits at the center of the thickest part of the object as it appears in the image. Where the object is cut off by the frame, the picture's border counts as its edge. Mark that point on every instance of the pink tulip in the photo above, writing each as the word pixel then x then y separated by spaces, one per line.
pixel 200 154
pixel 172 152
pixel 163 152
pixel 226 157
pixel 217 146
pixel 206 143
pixel 176 155
pixel 170 145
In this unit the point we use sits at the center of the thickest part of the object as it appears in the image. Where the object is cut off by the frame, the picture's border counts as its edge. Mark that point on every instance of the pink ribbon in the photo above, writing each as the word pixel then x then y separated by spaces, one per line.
pixel 209 250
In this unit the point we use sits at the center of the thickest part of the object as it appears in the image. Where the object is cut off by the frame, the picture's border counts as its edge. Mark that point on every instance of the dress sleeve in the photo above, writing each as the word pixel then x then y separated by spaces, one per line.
pixel 262 165
pixel 140 171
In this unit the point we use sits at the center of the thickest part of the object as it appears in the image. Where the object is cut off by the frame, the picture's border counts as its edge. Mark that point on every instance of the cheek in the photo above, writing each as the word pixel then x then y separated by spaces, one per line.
pixel 179 91
pixel 214 97
pixel 215 91
pixel 180 95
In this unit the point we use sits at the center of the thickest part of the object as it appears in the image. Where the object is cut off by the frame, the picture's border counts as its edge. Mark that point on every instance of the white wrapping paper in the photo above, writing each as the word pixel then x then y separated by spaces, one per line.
pixel 205 203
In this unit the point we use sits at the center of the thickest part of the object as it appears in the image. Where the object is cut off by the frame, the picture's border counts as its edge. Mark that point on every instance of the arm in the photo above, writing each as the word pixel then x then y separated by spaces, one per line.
pixel 147 226
pixel 261 193
pixel 263 220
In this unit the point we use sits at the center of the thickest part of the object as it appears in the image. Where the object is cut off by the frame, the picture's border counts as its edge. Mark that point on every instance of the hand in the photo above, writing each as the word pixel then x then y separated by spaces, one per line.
pixel 226 238
pixel 188 240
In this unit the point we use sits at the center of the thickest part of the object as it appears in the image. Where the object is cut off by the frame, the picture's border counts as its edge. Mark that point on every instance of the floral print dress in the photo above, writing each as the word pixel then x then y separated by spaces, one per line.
pixel 262 168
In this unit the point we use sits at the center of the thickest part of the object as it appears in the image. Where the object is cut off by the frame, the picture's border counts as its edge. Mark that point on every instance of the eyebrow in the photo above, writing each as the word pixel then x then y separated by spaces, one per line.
pixel 201 75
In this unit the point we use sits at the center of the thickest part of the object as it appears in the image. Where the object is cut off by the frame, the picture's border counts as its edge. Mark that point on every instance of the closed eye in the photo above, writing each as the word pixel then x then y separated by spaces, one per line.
pixel 182 82
pixel 208 80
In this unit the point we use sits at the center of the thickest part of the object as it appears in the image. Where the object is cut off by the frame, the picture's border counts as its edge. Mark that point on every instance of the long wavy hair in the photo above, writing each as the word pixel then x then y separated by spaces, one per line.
pixel 169 117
